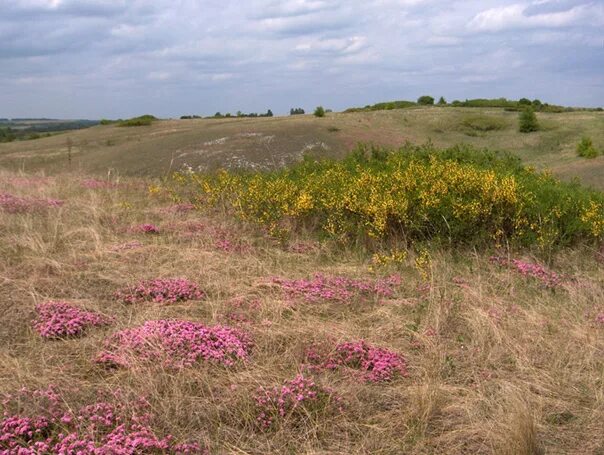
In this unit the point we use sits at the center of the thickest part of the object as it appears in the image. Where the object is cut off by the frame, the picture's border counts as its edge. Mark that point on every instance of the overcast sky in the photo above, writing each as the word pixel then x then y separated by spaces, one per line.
pixel 120 58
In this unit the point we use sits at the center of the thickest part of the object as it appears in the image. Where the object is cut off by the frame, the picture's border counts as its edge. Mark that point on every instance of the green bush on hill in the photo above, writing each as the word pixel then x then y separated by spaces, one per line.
pixel 319 111
pixel 586 149
pixel 425 100
pixel 484 123
pixel 143 120
pixel 527 121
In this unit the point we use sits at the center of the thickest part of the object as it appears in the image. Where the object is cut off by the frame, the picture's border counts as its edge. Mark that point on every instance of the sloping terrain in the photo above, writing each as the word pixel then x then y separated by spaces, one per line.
pixel 262 143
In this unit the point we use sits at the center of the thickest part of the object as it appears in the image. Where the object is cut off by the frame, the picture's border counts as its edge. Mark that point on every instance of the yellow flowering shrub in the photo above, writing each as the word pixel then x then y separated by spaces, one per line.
pixel 417 193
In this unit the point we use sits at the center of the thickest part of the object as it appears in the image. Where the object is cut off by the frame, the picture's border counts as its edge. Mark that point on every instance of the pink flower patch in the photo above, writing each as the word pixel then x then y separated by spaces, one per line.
pixel 293 400
pixel 337 288
pixel 60 319
pixel 101 428
pixel 176 344
pixel 376 364
pixel 160 291
pixel 15 204
pixel 550 279
pixel 146 228
pixel 600 318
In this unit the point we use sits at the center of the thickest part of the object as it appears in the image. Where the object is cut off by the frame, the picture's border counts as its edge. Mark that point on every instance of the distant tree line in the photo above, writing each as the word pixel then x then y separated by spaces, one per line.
pixel 509 105
pixel 296 111
pixel 190 117
pixel 240 114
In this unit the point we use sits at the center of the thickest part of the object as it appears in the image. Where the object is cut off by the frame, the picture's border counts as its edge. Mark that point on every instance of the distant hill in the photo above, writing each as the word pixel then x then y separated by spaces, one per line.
pixel 269 142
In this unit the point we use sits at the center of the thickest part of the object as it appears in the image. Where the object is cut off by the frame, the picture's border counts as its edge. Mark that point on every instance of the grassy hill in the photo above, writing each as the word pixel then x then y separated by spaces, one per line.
pixel 263 143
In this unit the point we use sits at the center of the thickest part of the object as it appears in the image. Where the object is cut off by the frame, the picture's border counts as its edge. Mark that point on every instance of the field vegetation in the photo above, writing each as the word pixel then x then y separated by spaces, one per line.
pixel 131 320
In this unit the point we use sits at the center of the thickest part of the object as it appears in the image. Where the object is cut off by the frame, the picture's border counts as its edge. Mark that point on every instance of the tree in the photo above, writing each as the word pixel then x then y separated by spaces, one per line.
pixel 217 114
pixel 537 104
pixel 425 100
pixel 319 111
pixel 296 111
pixel 441 101
pixel 269 113
pixel 524 102
pixel 528 121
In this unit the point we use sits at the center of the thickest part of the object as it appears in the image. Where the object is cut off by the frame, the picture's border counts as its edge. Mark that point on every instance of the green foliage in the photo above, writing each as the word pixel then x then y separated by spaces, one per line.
pixel 296 111
pixel 319 112
pixel 524 102
pixel 143 120
pixel 586 149
pixel 7 135
pixel 484 123
pixel 458 196
pixel 442 101
pixel 425 100
pixel 107 121
pixel 386 106
pixel 527 121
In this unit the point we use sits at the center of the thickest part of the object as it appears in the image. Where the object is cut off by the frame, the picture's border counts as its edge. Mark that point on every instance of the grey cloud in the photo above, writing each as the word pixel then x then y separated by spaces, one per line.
pixel 114 58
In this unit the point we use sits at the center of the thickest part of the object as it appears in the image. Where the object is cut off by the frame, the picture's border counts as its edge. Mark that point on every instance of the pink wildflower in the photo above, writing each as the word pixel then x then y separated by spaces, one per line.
pixel 176 344
pixel 161 291
pixel 293 400
pixel 15 204
pixel 600 318
pixel 98 429
pixel 337 288
pixel 549 278
pixel 60 319
pixel 376 364
pixel 146 228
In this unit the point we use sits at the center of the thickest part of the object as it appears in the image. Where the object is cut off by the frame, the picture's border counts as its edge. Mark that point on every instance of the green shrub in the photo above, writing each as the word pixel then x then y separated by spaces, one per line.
pixel 457 196
pixel 425 100
pixel 143 120
pixel 586 149
pixel 528 121
pixel 441 101
pixel 319 111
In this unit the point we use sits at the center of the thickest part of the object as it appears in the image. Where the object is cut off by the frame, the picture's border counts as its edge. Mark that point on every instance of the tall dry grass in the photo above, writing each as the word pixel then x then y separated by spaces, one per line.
pixel 497 364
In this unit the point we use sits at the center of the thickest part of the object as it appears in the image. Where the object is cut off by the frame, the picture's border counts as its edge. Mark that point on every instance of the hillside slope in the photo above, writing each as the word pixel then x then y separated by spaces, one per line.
pixel 270 142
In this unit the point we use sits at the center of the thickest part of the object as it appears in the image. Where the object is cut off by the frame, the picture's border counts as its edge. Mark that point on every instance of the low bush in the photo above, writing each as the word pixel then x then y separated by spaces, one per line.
pixel 143 120
pixel 319 111
pixel 457 195
pixel 586 149
pixel 528 121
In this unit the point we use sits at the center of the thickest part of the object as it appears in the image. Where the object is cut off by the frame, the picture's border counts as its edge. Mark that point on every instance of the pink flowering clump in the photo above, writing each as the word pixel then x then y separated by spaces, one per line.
pixel 58 319
pixel 146 228
pixel 15 204
pixel 175 344
pixel 160 290
pixel 600 318
pixel 376 364
pixel 337 288
pixel 293 401
pixel 96 184
pixel 549 278
pixel 101 428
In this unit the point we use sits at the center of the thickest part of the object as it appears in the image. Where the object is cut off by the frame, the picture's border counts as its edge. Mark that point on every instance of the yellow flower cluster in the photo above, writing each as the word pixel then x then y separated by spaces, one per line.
pixel 413 198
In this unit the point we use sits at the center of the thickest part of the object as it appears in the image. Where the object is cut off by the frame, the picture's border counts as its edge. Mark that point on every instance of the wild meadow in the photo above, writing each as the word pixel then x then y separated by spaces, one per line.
pixel 419 300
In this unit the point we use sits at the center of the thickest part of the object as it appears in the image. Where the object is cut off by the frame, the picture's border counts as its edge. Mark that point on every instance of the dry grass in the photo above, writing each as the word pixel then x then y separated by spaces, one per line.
pixel 497 364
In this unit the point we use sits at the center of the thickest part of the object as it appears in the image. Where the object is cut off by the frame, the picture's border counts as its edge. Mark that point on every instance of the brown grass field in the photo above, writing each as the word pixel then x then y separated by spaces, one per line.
pixel 263 143
pixel 497 363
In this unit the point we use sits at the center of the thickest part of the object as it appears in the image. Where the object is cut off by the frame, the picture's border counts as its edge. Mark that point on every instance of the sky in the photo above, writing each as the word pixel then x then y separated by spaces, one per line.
pixel 120 58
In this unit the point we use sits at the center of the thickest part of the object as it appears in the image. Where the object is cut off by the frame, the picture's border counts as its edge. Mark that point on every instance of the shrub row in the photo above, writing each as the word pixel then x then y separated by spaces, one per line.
pixel 457 195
